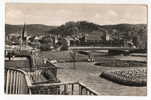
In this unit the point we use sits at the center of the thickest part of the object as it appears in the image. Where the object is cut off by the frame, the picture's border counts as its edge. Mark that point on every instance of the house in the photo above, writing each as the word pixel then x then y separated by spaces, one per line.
pixel 68 40
pixel 108 37
pixel 13 39
pixel 92 38
pixel 95 36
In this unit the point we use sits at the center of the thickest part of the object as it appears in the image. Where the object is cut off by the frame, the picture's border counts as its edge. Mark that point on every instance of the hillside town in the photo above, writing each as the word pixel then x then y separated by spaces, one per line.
pixel 78 57
pixel 54 39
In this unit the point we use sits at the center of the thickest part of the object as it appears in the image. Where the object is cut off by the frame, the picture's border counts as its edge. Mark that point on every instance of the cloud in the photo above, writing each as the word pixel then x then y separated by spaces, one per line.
pixel 13 15
pixel 62 11
pixel 59 14
pixel 97 15
pixel 112 13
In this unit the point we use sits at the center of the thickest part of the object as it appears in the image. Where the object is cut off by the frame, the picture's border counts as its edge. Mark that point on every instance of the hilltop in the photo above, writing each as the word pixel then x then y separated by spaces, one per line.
pixel 135 32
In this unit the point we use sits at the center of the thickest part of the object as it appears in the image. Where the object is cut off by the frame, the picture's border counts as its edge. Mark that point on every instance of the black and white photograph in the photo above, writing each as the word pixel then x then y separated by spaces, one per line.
pixel 76 49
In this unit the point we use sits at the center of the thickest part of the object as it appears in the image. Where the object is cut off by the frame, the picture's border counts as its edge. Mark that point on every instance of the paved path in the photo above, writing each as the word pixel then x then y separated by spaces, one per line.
pixel 89 75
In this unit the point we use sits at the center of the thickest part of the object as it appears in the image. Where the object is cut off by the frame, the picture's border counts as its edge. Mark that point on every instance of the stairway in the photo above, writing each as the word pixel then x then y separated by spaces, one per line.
pixel 37 77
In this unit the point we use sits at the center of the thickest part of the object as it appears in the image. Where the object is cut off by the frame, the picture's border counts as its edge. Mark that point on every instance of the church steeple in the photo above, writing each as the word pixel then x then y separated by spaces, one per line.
pixel 23 37
pixel 23 33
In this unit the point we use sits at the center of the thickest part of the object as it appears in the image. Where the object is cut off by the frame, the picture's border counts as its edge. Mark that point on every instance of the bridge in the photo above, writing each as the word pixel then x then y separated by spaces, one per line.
pixel 101 48
pixel 111 50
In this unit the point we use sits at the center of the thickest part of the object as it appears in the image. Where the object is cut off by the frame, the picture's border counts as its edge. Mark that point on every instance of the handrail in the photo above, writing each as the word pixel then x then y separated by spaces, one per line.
pixel 36 87
pixel 25 75
pixel 82 85
pixel 93 91
pixel 52 84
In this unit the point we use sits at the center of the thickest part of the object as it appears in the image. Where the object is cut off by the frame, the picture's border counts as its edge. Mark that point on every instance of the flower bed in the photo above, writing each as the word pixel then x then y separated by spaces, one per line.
pixel 121 63
pixel 135 77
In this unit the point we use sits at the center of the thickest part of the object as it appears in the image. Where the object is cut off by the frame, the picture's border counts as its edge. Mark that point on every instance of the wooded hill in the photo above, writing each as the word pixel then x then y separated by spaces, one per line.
pixel 31 29
pixel 135 32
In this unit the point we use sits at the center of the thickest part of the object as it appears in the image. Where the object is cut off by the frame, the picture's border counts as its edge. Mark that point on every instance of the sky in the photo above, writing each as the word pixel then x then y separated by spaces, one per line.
pixel 58 14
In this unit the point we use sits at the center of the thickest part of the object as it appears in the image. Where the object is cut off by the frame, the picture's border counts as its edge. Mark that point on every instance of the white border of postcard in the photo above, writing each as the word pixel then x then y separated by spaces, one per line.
pixel 50 97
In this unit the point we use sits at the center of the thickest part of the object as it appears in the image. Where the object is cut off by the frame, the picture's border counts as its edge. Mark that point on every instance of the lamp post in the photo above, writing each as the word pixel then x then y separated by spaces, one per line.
pixel 73 56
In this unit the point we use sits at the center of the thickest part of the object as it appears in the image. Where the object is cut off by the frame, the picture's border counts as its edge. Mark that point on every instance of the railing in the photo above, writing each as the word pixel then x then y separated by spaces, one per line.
pixel 87 90
pixel 19 82
pixel 15 82
pixel 69 88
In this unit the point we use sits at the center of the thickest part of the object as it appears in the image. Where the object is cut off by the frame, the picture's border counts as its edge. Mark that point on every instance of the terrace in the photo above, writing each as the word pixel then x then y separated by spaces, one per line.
pixel 85 75
pixel 20 82
pixel 38 77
